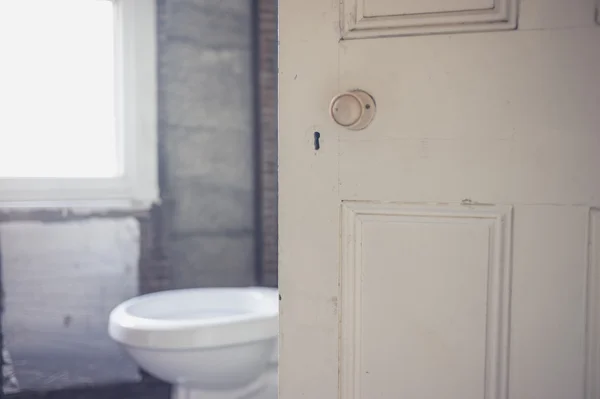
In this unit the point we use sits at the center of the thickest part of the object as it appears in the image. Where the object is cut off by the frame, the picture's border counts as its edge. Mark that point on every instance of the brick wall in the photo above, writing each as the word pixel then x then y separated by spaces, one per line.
pixel 267 94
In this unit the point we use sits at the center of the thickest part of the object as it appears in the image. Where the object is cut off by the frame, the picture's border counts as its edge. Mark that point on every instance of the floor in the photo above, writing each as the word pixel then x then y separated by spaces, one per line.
pixel 9 379
pixel 126 390
pixel 41 364
pixel 149 390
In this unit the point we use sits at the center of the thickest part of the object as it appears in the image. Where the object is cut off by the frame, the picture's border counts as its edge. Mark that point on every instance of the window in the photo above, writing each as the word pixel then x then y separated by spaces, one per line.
pixel 78 103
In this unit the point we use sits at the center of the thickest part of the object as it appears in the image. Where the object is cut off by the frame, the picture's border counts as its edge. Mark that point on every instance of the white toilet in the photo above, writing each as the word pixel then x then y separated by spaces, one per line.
pixel 210 343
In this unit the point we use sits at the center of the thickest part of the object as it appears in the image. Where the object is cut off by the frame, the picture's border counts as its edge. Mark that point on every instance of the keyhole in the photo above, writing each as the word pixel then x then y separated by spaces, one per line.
pixel 317 137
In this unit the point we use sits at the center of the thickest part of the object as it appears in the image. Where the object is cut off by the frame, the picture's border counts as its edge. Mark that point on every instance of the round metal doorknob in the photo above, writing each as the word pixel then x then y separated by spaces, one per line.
pixel 353 110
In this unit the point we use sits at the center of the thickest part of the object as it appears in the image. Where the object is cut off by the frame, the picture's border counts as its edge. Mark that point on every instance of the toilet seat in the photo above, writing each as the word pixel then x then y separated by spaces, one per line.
pixel 196 318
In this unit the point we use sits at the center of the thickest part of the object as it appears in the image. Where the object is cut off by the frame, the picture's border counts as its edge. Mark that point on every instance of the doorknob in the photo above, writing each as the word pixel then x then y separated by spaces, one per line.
pixel 353 109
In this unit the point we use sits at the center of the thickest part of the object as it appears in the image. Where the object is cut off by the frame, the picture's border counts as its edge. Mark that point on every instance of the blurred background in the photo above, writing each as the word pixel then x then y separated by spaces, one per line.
pixel 216 224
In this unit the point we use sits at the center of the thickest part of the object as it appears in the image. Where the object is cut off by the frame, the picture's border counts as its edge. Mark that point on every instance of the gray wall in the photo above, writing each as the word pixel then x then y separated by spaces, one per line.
pixel 207 140
pixel 61 282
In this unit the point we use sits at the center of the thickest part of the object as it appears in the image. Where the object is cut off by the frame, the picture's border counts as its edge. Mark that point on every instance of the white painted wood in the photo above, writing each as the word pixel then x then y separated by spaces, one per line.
pixel 469 304
pixel 592 388
pixel 373 8
pixel 548 314
pixel 449 248
pixel 543 14
pixel 379 18
pixel 137 187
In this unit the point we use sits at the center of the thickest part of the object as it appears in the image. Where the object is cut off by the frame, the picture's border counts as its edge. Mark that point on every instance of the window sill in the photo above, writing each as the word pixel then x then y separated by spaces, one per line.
pixel 61 212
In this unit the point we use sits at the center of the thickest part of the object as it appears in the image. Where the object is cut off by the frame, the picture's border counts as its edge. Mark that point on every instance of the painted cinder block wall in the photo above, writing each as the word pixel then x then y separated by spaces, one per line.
pixel 206 125
pixel 218 142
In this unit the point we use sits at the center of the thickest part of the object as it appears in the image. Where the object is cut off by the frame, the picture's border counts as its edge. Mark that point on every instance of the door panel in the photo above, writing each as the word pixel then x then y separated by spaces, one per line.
pixel 548 312
pixel 450 249
pixel 551 14
pixel 425 294
pixel 380 18
pixel 380 8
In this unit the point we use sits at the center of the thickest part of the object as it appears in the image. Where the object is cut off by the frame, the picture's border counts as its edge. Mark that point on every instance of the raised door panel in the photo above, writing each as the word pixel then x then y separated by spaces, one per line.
pixel 548 302
pixel 425 295
pixel 592 383
pixel 377 18
pixel 374 8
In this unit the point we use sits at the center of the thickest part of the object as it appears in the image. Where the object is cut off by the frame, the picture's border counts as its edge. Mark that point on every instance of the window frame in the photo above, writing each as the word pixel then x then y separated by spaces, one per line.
pixel 136 111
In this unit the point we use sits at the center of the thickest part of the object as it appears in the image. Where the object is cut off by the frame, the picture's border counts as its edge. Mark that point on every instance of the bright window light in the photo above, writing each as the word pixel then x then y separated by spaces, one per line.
pixel 57 90
pixel 78 104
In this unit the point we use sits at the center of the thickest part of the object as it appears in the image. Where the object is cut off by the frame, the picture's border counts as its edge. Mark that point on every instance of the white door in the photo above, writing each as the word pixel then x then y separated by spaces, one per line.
pixel 450 249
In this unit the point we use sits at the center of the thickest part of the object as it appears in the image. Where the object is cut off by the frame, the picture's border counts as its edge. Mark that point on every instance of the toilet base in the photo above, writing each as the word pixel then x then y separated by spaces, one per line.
pixel 254 390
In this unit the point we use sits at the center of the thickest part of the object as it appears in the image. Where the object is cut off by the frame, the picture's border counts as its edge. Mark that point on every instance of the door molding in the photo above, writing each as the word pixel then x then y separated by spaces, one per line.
pixel 592 352
pixel 356 23
pixel 498 219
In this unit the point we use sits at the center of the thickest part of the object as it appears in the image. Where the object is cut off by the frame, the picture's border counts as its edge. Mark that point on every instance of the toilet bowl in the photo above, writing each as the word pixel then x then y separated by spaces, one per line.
pixel 208 342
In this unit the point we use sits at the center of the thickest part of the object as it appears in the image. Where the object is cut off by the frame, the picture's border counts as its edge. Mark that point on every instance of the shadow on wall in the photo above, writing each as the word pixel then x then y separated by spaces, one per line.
pixel 61 282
